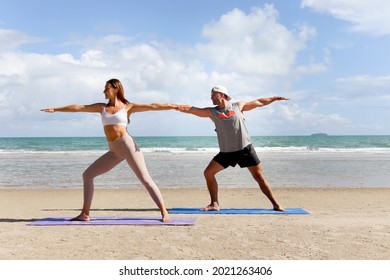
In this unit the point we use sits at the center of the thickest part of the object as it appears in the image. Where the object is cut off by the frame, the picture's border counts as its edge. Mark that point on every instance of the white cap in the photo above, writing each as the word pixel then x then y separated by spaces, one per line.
pixel 221 89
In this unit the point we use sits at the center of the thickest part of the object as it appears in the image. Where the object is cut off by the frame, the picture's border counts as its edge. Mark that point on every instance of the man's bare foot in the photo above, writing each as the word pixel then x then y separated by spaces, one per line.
pixel 165 217
pixel 82 217
pixel 212 207
pixel 278 208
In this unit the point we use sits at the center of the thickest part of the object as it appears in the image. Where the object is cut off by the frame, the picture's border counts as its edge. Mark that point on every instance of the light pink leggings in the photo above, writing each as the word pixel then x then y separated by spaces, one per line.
pixel 123 148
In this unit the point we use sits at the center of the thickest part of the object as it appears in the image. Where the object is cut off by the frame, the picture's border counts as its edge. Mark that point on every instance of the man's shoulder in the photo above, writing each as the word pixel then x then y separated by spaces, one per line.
pixel 236 105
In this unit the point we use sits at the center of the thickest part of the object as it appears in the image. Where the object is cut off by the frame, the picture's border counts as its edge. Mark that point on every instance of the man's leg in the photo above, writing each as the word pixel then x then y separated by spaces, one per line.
pixel 212 185
pixel 257 174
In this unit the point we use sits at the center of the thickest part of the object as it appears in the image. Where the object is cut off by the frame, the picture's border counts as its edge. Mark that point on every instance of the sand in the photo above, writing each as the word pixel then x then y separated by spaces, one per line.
pixel 343 224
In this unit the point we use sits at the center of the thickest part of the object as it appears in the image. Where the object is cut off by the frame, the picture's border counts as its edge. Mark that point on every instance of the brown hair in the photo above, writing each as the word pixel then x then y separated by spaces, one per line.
pixel 115 83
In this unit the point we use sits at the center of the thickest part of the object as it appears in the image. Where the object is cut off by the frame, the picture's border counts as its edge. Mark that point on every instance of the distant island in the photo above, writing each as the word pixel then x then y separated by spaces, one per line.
pixel 319 134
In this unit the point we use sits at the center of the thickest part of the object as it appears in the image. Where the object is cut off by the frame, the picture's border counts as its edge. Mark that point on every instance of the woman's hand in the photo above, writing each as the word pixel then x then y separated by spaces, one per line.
pixel 48 110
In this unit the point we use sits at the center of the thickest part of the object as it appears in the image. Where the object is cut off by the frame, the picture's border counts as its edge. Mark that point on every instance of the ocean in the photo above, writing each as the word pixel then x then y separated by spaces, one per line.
pixel 178 162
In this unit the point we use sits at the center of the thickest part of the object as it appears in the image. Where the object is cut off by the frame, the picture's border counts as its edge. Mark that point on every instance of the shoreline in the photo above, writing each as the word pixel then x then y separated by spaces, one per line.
pixel 343 224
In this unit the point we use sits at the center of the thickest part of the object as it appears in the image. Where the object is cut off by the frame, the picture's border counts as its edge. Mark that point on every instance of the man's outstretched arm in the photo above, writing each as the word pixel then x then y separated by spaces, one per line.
pixel 246 106
pixel 200 112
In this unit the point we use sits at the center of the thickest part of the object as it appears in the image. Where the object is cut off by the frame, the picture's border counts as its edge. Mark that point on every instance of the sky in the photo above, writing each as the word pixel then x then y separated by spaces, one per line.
pixel 330 57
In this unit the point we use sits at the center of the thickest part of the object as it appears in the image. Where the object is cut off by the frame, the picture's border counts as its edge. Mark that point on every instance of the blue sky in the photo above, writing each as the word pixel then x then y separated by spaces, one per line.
pixel 330 57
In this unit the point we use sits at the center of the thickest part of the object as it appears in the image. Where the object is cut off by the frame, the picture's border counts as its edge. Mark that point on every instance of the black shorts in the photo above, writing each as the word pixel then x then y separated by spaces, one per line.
pixel 245 158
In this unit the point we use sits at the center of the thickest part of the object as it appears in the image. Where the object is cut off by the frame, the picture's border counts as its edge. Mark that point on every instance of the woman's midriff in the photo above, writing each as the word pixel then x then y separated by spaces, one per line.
pixel 114 132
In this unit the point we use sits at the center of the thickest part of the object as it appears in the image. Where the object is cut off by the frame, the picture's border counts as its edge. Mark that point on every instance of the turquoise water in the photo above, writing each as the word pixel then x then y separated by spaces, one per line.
pixel 173 162
pixel 200 143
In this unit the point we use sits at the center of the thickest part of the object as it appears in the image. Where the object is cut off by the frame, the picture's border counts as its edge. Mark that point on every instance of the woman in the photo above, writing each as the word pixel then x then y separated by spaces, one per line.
pixel 115 117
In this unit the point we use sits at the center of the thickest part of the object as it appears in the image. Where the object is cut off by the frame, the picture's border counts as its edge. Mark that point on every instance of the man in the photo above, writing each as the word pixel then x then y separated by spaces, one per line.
pixel 234 141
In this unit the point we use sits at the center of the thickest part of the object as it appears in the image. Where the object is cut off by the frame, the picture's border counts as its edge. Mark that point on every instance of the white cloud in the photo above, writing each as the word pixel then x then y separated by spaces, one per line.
pixel 94 58
pixel 364 86
pixel 252 54
pixel 303 116
pixel 12 39
pixel 308 119
pixel 365 16
pixel 293 118
pixel 316 67
pixel 254 44
pixel 30 81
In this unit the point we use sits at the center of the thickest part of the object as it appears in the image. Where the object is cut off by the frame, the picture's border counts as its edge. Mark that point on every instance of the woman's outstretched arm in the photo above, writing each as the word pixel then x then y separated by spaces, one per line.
pixel 93 108
pixel 134 107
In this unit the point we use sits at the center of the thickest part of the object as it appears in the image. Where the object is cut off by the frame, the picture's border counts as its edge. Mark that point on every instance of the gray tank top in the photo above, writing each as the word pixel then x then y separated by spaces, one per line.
pixel 231 129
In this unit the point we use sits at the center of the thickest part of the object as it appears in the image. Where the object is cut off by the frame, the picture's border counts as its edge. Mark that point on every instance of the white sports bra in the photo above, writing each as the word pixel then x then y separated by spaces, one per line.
pixel 118 118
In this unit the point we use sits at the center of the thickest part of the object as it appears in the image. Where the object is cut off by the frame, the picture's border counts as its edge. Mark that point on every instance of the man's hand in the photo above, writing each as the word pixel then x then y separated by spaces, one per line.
pixel 277 98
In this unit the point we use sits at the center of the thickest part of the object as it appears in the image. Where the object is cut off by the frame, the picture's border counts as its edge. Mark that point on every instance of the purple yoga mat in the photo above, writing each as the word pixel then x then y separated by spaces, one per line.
pixel 136 221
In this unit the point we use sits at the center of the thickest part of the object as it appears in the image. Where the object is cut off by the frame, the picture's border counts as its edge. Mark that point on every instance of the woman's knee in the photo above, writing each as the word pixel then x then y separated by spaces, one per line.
pixel 88 175
pixel 146 180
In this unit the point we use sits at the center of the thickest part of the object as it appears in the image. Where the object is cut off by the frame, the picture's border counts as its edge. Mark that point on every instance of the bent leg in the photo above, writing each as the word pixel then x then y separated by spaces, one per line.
pixel 212 185
pixel 257 174
pixel 102 165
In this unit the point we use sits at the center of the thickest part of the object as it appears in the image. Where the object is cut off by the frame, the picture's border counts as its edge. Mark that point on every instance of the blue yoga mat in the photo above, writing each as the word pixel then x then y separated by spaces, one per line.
pixel 138 221
pixel 238 211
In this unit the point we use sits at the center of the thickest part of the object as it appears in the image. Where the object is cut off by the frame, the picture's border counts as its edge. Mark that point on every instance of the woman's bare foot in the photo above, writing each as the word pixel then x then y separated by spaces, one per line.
pixel 82 217
pixel 212 207
pixel 165 217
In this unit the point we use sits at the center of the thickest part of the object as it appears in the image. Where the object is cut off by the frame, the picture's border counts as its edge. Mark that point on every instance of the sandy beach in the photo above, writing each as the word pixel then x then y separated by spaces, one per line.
pixel 343 224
